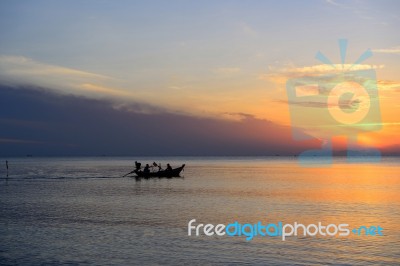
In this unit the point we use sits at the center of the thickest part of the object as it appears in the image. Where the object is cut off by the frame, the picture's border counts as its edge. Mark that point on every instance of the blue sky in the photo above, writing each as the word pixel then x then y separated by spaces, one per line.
pixel 156 39
pixel 186 50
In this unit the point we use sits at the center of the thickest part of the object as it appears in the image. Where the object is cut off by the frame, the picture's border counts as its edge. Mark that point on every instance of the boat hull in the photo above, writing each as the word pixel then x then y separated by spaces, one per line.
pixel 163 173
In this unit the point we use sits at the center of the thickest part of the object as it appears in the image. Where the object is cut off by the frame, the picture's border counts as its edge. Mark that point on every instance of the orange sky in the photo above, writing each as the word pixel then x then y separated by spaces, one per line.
pixel 215 60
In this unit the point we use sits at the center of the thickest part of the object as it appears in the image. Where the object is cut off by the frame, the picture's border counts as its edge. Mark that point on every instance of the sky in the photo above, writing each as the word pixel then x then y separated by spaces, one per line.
pixel 216 65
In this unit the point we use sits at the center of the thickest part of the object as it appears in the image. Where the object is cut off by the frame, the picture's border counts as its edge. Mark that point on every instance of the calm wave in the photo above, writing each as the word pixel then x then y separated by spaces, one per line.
pixel 81 211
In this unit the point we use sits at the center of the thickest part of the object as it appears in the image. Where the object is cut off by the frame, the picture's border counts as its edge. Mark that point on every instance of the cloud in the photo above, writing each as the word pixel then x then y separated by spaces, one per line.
pixel 105 90
pixel 343 104
pixel 24 67
pixel 312 104
pixel 280 75
pixel 334 3
pixel 359 9
pixel 20 70
pixel 393 50
pixel 73 125
pixel 176 94
pixel 388 85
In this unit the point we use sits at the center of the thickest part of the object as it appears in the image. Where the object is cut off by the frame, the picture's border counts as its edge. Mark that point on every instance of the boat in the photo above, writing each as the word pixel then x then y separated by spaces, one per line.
pixel 161 173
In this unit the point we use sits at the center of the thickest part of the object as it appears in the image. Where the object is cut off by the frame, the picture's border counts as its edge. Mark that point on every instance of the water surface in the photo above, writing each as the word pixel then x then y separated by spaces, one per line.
pixel 81 211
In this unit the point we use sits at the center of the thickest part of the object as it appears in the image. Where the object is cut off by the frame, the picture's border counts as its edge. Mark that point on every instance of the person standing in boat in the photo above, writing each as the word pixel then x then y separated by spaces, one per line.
pixel 169 168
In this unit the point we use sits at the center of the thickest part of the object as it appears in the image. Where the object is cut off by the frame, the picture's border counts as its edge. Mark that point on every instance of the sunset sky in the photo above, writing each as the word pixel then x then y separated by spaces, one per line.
pixel 224 63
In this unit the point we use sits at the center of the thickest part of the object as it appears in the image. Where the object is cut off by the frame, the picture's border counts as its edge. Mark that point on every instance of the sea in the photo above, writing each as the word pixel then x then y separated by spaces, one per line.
pixel 82 211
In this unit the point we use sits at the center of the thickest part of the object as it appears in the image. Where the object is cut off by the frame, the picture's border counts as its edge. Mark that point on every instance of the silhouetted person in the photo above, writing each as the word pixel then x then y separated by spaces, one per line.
pixel 137 165
pixel 169 168
pixel 146 170
pixel 157 165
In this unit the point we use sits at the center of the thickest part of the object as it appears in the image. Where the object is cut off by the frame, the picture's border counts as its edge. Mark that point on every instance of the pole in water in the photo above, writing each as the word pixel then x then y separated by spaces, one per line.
pixel 7 167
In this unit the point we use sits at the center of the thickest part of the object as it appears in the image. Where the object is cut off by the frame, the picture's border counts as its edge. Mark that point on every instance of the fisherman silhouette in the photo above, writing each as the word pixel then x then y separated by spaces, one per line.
pixel 146 169
pixel 137 165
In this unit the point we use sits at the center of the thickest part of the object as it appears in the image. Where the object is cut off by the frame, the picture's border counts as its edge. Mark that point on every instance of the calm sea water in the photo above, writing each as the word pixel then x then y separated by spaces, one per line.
pixel 81 211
